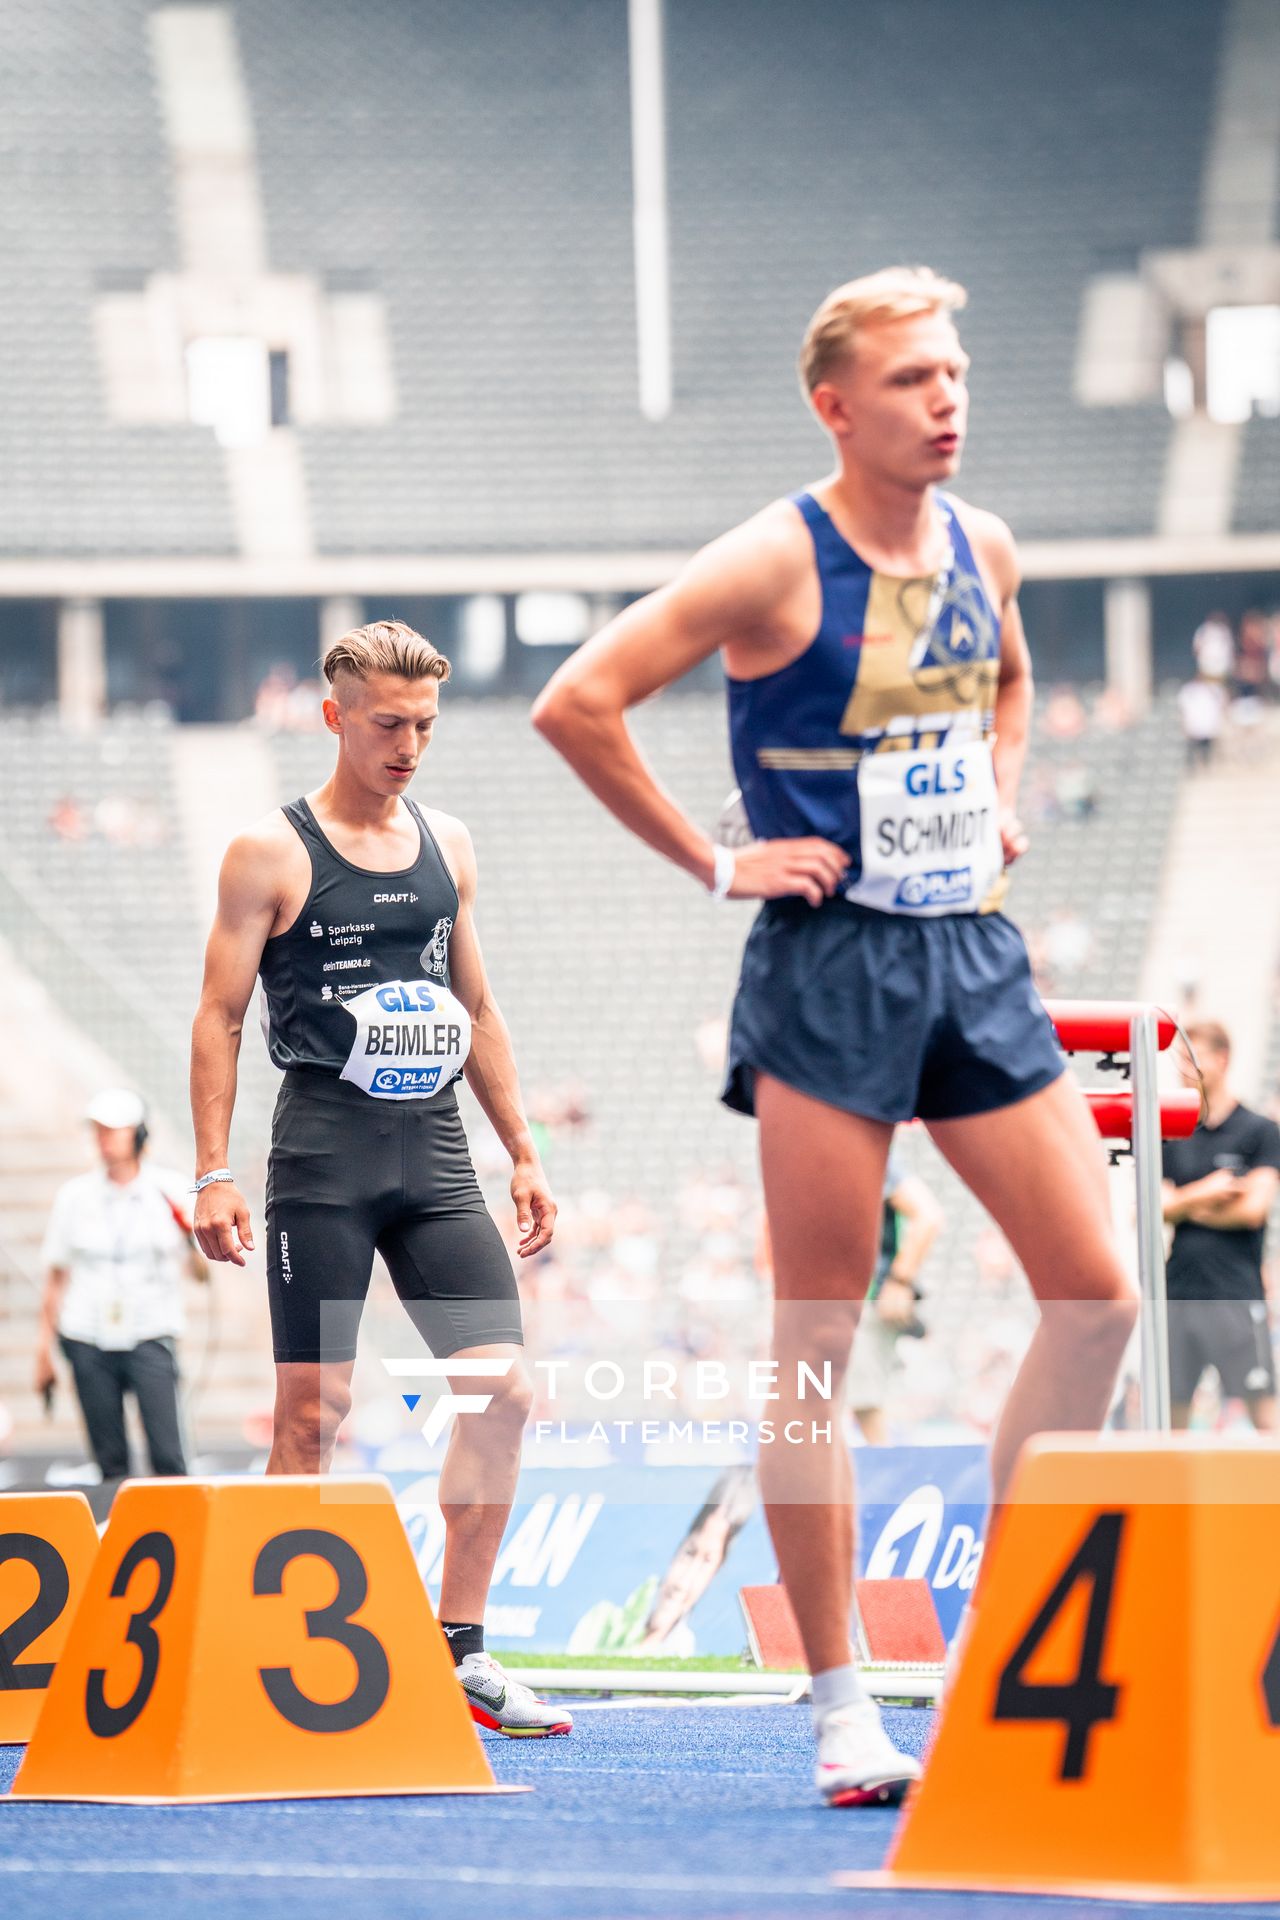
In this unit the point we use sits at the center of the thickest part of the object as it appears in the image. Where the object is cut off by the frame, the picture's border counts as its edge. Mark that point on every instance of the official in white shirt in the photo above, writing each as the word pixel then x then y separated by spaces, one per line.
pixel 116 1254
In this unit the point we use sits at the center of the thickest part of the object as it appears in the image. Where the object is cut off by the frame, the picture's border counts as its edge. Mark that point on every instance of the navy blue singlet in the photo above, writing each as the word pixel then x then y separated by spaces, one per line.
pixel 902 674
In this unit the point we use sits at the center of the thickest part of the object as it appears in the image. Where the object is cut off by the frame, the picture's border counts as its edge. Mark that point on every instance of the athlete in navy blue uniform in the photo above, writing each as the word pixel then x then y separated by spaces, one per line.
pixel 879 699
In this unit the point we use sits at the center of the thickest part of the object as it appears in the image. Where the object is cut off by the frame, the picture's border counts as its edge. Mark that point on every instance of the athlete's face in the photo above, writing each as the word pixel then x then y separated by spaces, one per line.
pixel 901 406
pixel 385 725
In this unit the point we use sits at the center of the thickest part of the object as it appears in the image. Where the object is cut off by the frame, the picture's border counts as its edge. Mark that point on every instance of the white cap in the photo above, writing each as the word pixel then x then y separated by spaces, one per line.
pixel 116 1107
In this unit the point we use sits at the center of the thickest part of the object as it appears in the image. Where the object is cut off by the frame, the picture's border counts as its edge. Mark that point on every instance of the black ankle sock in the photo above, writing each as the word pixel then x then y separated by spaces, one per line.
pixel 463 1638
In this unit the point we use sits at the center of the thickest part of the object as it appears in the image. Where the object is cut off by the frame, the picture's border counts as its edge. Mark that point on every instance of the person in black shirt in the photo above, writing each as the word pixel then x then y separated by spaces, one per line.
pixel 1218 1189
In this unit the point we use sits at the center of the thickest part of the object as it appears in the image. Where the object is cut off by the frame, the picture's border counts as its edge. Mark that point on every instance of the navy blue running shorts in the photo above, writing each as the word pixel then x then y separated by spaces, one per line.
pixel 888 1015
pixel 349 1175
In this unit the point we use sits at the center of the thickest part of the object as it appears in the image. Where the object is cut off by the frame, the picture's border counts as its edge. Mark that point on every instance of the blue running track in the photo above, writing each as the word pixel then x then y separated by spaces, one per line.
pixel 644 1813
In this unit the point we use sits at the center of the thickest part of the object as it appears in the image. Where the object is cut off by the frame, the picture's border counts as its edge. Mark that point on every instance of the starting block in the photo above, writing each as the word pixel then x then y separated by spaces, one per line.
pixel 1114 1729
pixel 253 1640
pixel 894 1621
pixel 47 1546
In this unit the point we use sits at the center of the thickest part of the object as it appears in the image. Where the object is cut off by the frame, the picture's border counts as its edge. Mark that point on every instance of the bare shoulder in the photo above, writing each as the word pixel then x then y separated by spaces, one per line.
pixel 455 843
pixel 993 544
pixel 263 859
pixel 767 554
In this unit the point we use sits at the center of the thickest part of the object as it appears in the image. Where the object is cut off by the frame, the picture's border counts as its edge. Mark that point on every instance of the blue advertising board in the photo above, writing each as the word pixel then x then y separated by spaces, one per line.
pixel 632 1558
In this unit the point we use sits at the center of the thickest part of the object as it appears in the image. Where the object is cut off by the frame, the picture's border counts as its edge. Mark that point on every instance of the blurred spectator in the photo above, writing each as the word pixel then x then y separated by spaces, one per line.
pixel 1076 792
pixel 1202 709
pixel 1063 716
pixel 67 819
pixel 1111 711
pixel 1252 662
pixel 912 1221
pixel 1213 649
pixel 127 822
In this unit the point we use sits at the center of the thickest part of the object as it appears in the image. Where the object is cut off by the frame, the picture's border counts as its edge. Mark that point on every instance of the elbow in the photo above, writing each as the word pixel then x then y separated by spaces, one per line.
pixel 552 710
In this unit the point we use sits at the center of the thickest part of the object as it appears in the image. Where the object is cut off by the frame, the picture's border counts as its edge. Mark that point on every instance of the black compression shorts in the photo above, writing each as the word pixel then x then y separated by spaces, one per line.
pixel 349 1175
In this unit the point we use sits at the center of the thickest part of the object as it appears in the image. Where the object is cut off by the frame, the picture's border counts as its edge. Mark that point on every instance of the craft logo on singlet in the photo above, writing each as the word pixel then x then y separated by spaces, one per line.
pixel 395 899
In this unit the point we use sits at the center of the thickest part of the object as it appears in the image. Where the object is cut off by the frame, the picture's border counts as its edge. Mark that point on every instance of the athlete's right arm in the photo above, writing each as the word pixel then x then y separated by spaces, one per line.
pixel 729 594
pixel 248 898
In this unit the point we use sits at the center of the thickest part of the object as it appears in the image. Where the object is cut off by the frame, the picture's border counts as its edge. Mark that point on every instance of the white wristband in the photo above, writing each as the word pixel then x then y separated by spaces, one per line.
pixel 726 866
pixel 218 1175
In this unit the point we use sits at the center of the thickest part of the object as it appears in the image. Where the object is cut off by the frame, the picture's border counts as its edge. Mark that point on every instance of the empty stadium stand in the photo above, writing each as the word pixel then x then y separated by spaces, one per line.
pixel 470 168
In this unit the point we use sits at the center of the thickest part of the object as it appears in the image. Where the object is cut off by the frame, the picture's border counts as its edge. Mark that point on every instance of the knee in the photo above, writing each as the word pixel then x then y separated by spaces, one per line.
pixel 512 1400
pixel 313 1410
pixel 813 1338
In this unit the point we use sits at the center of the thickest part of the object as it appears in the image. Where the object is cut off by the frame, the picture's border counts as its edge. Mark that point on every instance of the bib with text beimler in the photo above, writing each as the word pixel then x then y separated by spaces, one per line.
pixel 412 1038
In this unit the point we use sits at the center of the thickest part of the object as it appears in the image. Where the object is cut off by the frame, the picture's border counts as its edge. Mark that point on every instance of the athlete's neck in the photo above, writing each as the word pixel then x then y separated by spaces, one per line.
pixel 346 801
pixel 897 526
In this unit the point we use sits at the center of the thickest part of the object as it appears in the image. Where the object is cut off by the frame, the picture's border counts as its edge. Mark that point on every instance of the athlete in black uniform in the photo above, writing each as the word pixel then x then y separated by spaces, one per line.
pixel 353 905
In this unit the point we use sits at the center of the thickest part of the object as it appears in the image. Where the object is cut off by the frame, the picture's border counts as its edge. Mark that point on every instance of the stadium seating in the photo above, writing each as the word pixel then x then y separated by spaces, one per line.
pixel 471 167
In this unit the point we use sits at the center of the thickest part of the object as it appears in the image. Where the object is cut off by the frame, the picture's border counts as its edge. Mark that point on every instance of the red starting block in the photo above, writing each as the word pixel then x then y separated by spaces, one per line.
pixel 893 1621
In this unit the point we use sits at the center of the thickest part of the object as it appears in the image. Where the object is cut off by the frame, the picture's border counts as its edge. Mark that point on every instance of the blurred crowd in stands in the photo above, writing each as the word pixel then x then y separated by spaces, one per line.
pixel 1237 674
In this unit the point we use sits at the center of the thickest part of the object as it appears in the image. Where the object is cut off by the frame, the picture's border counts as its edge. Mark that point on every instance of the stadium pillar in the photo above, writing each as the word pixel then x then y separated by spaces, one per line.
pixel 82 663
pixel 338 614
pixel 1127 628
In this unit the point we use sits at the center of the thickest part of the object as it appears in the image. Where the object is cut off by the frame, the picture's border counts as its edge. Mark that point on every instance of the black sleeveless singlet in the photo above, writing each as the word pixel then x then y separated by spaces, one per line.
pixel 358 932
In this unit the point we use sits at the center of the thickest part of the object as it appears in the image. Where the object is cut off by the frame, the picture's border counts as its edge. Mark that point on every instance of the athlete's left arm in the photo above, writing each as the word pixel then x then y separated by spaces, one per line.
pixel 998 557
pixel 491 1066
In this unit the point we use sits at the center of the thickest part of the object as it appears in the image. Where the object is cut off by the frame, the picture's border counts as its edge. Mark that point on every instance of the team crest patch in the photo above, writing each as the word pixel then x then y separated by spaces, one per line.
pixel 435 955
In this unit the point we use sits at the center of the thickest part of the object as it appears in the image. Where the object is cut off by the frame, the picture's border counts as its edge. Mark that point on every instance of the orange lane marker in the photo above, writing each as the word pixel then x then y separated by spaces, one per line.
pixel 47 1545
pixel 1114 1730
pixel 253 1639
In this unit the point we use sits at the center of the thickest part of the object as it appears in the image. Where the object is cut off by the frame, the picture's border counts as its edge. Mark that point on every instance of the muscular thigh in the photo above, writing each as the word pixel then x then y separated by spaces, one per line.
pixel 823 1172
pixel 454 1276
pixel 1039 1168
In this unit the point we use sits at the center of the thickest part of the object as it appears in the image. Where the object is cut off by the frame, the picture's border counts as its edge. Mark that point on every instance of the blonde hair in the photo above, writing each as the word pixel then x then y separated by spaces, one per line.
pixel 895 293
pixel 384 646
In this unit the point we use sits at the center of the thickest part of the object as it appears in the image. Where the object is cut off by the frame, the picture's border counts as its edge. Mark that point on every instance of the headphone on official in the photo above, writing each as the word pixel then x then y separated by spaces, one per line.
pixel 121 1107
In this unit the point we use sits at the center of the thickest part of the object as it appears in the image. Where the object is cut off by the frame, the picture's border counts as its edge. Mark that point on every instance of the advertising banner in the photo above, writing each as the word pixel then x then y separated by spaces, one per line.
pixel 628 1558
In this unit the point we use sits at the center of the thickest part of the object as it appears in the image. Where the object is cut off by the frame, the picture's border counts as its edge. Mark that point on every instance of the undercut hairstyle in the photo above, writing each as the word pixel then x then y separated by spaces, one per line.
pixel 895 293
pixel 384 646
pixel 1211 1034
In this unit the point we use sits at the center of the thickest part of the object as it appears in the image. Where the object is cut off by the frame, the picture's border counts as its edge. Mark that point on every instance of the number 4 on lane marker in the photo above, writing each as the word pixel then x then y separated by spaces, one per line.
pixel 243 1640
pixel 1114 1730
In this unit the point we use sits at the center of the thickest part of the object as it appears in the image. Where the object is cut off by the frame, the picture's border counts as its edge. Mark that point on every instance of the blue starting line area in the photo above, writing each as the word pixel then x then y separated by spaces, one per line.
pixel 643 1813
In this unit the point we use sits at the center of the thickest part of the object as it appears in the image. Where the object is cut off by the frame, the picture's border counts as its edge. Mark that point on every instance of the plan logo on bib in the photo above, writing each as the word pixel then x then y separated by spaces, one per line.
pixel 412 1038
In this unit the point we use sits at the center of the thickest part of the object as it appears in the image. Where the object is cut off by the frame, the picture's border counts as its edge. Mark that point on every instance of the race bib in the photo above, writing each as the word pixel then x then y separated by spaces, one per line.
pixel 412 1038
pixel 930 833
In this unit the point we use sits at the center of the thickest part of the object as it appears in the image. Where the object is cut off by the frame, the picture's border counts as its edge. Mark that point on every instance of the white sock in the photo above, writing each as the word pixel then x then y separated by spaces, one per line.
pixel 836 1687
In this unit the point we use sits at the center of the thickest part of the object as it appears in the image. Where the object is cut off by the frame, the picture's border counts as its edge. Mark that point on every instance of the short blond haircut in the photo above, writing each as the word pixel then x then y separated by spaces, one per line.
pixel 384 646
pixel 895 293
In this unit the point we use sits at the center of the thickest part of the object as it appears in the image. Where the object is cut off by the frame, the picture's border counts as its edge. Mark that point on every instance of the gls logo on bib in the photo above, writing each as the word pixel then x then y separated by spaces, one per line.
pixel 412 1038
